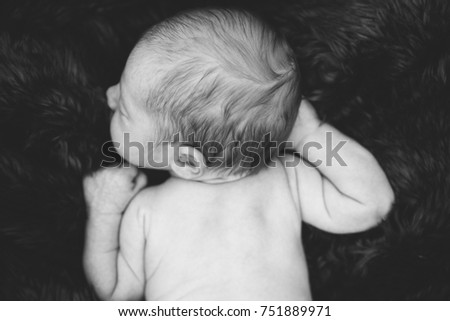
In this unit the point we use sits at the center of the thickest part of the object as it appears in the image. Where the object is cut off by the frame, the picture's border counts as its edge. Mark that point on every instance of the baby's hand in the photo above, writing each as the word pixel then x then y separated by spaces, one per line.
pixel 306 123
pixel 108 191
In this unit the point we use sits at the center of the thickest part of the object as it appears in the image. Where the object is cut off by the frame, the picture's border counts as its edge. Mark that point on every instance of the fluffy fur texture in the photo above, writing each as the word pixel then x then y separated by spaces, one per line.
pixel 375 69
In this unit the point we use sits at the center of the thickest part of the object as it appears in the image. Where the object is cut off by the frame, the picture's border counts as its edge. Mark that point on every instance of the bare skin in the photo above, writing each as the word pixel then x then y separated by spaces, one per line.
pixel 203 235
pixel 202 245
pixel 239 240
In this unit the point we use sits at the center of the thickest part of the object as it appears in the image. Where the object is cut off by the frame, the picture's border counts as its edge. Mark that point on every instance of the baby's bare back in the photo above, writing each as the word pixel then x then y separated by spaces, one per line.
pixel 234 241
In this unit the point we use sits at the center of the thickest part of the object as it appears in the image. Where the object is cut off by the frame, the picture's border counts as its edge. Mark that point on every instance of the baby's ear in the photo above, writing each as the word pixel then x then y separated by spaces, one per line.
pixel 188 163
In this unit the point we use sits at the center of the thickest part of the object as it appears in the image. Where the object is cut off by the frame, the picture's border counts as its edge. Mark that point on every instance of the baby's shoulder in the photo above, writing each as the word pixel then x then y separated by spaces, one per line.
pixel 148 197
pixel 287 172
pixel 283 167
pixel 293 167
pixel 159 195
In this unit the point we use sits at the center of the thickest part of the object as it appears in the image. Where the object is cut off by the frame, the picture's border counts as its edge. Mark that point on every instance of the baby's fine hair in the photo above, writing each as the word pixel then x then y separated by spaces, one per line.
pixel 225 81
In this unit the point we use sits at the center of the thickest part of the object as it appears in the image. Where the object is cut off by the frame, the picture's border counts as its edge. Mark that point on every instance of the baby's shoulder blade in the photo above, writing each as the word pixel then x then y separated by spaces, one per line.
pixel 146 199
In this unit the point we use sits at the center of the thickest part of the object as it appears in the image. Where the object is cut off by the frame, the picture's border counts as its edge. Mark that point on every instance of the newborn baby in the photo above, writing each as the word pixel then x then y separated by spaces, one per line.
pixel 211 95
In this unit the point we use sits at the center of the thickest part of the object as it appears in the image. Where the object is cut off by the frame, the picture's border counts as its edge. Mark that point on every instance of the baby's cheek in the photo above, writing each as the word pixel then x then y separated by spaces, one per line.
pixel 125 143
pixel 116 131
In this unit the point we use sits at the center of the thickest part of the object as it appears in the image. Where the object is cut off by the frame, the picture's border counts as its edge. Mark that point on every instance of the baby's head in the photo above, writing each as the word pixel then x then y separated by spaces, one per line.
pixel 213 83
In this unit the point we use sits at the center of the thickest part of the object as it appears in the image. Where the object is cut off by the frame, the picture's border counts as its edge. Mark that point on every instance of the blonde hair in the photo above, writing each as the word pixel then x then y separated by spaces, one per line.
pixel 226 78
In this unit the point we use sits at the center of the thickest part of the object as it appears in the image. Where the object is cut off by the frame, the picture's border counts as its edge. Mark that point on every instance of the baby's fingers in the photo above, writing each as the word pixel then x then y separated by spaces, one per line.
pixel 307 112
pixel 140 181
pixel 88 182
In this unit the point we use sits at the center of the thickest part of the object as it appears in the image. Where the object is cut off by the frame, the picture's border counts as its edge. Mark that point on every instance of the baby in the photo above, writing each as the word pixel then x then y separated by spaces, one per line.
pixel 210 95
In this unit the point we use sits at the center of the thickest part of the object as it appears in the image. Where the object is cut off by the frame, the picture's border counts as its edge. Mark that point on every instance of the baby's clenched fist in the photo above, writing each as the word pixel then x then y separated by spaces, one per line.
pixel 109 190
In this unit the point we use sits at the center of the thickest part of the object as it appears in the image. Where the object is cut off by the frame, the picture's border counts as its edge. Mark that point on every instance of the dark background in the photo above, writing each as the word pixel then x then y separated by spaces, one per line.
pixel 377 70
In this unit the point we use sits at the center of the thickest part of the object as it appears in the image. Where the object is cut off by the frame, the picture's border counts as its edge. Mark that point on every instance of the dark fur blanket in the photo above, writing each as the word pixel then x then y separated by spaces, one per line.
pixel 375 69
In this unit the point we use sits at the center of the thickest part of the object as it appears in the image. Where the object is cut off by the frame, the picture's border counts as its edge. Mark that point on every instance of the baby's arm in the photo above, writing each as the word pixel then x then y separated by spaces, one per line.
pixel 114 264
pixel 337 197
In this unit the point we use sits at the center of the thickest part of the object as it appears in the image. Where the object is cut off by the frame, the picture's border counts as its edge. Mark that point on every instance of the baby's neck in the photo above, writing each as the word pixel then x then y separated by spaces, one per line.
pixel 216 178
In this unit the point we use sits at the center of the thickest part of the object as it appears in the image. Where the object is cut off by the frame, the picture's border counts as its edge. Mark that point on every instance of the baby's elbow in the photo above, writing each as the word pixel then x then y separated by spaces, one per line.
pixel 382 205
pixel 361 216
pixel 387 202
